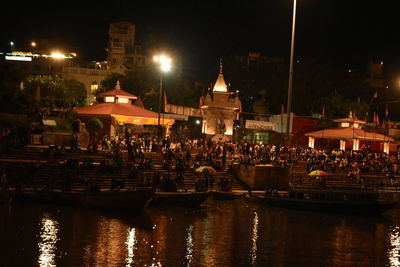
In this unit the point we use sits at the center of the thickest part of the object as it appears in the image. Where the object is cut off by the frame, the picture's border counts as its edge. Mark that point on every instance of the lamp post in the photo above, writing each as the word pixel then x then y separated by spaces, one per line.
pixel 165 65
pixel 289 98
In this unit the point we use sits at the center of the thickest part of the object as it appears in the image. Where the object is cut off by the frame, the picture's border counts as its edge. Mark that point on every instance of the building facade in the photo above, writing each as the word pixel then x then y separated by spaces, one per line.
pixel 122 48
pixel 219 109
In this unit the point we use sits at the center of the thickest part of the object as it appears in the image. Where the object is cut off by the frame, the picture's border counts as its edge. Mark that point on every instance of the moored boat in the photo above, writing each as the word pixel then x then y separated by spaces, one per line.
pixel 116 200
pixel 184 199
pixel 329 200
pixel 6 196
pixel 136 199
pixel 223 195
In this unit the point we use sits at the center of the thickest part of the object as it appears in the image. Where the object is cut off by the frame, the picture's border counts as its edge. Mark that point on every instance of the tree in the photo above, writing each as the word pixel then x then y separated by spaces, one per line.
pixel 144 82
pixel 52 92
pixel 337 106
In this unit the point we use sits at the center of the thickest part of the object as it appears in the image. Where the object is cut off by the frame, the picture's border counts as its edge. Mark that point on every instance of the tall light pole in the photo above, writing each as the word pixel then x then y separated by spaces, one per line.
pixel 289 98
pixel 165 65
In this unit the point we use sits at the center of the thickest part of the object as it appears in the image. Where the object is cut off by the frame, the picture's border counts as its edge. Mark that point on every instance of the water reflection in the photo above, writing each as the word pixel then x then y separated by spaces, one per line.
pixel 130 243
pixel 254 237
pixel 394 250
pixel 47 245
pixel 189 245
pixel 234 234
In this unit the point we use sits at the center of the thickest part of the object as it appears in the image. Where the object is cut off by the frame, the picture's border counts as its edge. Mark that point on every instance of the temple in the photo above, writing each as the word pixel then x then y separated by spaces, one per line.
pixel 118 109
pixel 219 109
pixel 349 136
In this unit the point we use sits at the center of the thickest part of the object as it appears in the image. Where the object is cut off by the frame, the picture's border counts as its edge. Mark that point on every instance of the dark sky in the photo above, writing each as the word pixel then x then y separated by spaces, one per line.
pixel 343 31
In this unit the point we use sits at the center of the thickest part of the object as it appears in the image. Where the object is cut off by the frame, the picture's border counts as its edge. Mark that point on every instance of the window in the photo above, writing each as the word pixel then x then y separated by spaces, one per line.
pixel 94 86
pixel 123 100
pixel 345 124
pixel 109 99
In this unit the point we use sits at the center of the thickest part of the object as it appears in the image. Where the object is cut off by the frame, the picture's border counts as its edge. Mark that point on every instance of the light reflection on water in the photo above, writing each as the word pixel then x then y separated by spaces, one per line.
pixel 236 233
pixel 130 243
pixel 189 245
pixel 48 239
pixel 394 250
pixel 254 237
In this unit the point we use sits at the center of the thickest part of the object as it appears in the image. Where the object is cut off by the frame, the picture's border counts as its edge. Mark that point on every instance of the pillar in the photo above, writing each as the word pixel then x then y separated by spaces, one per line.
pixel 342 145
pixel 356 144
pixel 311 141
pixel 386 147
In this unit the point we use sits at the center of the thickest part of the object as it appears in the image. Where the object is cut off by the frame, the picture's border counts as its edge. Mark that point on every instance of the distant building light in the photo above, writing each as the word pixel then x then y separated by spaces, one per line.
pixel 18 58
pixel 57 55
pixel 349 70
pixel 94 87
pixel 197 122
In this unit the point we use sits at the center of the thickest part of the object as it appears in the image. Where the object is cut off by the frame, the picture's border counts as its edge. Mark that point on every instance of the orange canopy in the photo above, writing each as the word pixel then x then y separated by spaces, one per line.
pixel 125 113
pixel 350 133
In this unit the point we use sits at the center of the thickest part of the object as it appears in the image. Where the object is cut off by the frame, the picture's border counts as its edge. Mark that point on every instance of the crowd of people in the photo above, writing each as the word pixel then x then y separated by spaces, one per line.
pixel 178 156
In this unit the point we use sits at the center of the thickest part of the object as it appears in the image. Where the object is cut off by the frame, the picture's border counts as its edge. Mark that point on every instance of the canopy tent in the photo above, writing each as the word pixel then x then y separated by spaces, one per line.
pixel 350 133
pixel 124 113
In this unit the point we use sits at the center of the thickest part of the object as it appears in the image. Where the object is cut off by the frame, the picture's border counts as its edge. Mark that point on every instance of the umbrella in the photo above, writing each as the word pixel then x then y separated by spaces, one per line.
pixel 317 173
pixel 206 170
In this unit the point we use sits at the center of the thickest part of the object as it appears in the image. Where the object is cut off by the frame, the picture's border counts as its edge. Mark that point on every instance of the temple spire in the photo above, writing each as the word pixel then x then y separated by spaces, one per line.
pixel 220 85
pixel 117 86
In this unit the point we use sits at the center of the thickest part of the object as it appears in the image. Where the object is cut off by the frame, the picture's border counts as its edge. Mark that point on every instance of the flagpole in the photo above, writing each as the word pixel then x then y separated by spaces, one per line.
pixel 289 97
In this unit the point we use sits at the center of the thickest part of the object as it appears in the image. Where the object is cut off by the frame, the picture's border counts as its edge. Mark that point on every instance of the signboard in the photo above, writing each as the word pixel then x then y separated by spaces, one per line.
pixel 260 125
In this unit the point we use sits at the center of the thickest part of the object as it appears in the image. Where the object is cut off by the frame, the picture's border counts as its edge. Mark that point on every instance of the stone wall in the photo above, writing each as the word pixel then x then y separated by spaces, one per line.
pixel 261 177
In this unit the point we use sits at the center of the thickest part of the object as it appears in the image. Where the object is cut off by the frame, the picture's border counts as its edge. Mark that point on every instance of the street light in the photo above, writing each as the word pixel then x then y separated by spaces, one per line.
pixel 289 99
pixel 12 45
pixel 165 65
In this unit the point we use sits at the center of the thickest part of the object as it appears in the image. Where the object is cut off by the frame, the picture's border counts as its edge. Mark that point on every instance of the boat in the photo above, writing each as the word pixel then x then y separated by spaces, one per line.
pixel 184 199
pixel 136 199
pixel 225 195
pixel 121 199
pixel 6 196
pixel 329 200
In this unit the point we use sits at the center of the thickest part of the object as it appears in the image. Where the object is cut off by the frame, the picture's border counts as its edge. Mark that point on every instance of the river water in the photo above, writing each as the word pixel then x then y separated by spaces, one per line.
pixel 224 233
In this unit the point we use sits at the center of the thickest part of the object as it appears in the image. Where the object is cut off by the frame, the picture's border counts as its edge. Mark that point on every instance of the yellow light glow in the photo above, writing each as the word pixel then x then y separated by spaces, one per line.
pixel 57 55
pixel 165 67
pixel 33 44
pixel 164 62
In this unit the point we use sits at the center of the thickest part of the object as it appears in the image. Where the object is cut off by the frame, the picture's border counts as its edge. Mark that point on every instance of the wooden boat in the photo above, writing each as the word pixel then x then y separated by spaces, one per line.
pixel 184 199
pixel 113 200
pixel 224 195
pixel 329 200
pixel 6 196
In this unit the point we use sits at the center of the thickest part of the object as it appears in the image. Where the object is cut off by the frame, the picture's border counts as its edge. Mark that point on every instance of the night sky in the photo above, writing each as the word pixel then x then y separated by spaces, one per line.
pixel 344 32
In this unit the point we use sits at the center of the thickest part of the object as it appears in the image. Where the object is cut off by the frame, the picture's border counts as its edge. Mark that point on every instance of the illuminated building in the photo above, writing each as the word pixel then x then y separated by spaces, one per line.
pixel 219 109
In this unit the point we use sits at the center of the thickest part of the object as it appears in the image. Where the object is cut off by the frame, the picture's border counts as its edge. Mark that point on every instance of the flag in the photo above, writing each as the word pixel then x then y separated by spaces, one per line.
pixel 376 118
pixel 323 112
pixel 283 109
pixel 354 115
pixel 376 94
